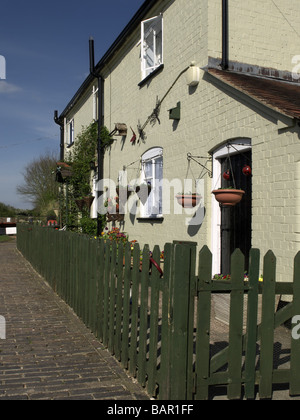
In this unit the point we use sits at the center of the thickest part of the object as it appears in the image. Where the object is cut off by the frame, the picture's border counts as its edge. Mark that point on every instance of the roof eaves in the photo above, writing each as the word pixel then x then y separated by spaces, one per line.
pixel 221 76
pixel 140 14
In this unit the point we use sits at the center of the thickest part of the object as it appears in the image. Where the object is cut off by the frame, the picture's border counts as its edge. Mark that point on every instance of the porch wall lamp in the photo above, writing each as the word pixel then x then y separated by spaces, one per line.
pixel 193 75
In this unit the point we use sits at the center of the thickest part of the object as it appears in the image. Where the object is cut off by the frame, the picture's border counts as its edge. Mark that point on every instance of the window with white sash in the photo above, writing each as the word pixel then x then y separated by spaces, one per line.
pixel 152 174
pixel 70 132
pixel 152 45
pixel 95 103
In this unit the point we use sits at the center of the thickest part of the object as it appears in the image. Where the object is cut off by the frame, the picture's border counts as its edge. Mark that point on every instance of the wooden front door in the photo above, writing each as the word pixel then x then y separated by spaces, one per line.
pixel 236 222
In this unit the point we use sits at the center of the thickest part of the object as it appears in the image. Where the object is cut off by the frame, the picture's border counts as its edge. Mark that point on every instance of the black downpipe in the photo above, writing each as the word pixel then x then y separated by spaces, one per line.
pixel 59 122
pixel 225 35
pixel 99 142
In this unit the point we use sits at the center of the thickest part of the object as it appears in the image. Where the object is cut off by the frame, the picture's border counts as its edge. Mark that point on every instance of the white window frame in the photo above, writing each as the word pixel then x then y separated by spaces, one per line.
pixel 70 130
pixel 95 103
pixel 158 58
pixel 150 209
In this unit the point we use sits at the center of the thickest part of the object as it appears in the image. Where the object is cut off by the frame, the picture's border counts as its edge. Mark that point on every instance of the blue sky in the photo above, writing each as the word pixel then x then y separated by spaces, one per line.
pixel 45 46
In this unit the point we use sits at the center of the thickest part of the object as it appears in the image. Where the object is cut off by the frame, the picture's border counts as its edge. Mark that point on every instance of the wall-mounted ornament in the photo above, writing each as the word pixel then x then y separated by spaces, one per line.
pixel 175 113
pixel 133 139
pixel 247 171
pixel 120 130
pixel 226 175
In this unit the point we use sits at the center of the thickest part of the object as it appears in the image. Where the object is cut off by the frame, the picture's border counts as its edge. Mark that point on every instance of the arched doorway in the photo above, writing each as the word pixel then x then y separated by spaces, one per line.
pixel 232 226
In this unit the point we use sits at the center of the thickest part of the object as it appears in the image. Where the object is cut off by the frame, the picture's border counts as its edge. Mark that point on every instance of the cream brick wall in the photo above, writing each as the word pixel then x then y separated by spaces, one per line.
pixel 82 113
pixel 126 102
pixel 265 33
pixel 275 166
pixel 210 116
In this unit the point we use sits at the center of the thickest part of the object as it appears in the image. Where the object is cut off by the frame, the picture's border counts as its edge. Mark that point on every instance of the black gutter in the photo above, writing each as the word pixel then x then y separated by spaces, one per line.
pixel 100 147
pixel 225 35
pixel 60 122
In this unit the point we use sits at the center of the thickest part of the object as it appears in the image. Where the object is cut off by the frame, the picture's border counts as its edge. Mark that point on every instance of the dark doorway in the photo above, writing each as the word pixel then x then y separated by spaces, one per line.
pixel 236 222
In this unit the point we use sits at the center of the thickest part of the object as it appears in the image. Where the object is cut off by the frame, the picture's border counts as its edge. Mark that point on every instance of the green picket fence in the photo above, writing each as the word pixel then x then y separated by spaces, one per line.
pixel 159 327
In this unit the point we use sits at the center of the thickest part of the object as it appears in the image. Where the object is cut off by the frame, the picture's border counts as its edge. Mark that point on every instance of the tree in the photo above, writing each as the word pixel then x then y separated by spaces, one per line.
pixel 7 211
pixel 40 187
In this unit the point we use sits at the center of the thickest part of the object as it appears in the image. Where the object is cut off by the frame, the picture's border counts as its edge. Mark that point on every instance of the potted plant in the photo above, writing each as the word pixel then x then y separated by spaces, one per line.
pixel 228 196
pixel 188 200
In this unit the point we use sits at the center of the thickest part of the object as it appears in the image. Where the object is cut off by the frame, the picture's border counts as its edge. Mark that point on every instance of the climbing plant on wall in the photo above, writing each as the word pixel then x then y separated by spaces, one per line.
pixel 79 158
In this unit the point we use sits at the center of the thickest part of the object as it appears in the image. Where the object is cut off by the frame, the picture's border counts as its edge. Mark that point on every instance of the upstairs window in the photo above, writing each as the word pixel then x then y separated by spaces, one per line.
pixel 152 174
pixel 95 103
pixel 152 45
pixel 70 128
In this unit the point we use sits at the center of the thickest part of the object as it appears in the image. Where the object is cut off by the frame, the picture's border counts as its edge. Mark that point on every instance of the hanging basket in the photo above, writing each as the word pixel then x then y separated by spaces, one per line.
pixel 85 201
pixel 188 201
pixel 88 201
pixel 80 203
pixel 228 197
pixel 65 169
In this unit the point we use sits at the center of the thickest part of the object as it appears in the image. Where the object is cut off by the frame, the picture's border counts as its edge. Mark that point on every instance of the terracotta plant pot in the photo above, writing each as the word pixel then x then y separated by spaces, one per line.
pixel 188 201
pixel 228 197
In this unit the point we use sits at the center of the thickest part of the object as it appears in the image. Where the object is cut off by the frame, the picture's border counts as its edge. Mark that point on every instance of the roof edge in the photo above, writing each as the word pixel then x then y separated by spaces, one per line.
pixel 278 95
pixel 254 70
pixel 143 10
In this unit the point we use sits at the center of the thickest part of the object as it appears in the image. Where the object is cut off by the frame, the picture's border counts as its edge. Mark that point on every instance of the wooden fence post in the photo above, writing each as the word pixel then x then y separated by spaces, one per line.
pixel 267 326
pixel 179 340
pixel 143 317
pixel 236 325
pixel 134 310
pixel 153 333
pixel 295 344
pixel 252 316
pixel 203 325
pixel 164 390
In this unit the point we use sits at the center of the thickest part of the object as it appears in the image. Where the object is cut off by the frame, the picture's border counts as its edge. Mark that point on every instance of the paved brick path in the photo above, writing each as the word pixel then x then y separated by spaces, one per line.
pixel 48 352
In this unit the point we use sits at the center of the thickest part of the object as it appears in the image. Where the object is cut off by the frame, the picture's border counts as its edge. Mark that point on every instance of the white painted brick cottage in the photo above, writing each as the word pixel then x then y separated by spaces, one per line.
pixel 227 70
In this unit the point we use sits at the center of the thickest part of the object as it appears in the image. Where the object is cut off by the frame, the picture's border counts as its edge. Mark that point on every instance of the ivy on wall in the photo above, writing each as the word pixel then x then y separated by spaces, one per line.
pixel 83 152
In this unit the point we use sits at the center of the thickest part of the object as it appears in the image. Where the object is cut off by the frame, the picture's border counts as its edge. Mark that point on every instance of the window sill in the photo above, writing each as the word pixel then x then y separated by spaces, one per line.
pixel 150 219
pixel 154 73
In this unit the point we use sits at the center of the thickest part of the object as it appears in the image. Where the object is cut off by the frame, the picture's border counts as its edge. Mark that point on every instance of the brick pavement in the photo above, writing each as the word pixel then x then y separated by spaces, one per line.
pixel 48 353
